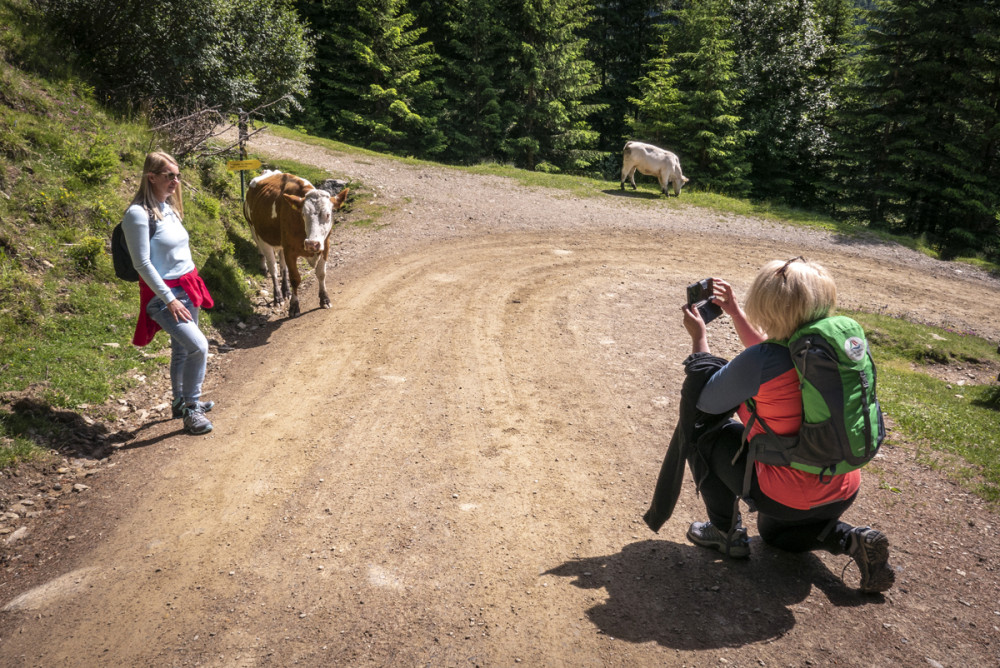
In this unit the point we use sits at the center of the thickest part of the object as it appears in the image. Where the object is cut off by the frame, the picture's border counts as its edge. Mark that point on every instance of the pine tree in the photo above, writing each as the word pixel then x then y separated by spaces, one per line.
pixel 784 60
pixel 622 39
pixel 371 88
pixel 547 87
pixel 475 48
pixel 927 122
pixel 840 24
pixel 690 103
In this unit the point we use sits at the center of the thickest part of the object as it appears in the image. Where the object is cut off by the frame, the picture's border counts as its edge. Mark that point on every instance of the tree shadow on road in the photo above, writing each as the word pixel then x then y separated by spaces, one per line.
pixel 130 438
pixel 688 598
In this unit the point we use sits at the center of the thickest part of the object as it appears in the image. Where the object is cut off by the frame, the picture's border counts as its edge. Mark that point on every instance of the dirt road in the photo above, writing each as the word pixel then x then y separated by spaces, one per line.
pixel 449 467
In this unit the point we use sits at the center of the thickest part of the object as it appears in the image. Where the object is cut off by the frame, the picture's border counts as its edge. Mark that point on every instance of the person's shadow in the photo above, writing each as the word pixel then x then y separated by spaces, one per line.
pixel 689 598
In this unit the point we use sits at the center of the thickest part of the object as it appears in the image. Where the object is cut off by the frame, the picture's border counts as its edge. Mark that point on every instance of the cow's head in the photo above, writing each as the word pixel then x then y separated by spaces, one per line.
pixel 317 209
pixel 678 183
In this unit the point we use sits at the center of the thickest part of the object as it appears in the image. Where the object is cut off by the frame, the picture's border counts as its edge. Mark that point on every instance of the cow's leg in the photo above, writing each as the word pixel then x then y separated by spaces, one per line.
pixel 293 274
pixel 320 266
pixel 631 177
pixel 664 184
pixel 267 257
pixel 625 173
pixel 286 291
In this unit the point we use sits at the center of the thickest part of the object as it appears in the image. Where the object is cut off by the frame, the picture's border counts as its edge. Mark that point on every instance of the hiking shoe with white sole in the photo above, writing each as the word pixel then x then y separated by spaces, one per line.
pixel 870 550
pixel 195 421
pixel 707 535
pixel 177 406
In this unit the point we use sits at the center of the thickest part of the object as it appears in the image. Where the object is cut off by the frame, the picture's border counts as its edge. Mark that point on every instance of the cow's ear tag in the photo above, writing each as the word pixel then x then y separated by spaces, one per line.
pixel 294 202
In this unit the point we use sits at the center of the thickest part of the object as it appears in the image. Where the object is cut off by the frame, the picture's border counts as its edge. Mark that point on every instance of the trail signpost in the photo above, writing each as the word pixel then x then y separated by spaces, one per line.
pixel 243 164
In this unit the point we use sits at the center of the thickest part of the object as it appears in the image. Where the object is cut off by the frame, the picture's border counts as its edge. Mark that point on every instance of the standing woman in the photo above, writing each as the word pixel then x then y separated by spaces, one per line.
pixel 171 293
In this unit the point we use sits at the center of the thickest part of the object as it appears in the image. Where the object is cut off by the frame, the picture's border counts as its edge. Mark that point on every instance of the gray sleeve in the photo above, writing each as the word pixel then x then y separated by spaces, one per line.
pixel 135 225
pixel 734 383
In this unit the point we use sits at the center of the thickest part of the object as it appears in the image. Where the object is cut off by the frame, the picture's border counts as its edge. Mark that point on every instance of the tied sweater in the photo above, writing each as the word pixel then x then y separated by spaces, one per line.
pixel 163 263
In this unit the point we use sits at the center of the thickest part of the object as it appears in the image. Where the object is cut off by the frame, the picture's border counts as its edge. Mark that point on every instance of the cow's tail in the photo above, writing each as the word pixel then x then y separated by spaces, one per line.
pixel 246 212
pixel 253 232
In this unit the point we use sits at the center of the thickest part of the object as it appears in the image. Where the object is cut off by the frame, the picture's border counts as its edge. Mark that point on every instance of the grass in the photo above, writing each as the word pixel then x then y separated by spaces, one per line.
pixel 934 414
pixel 68 168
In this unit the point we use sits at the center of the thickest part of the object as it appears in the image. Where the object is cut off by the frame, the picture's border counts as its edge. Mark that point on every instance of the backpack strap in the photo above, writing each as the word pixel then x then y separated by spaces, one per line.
pixel 747 477
pixel 152 223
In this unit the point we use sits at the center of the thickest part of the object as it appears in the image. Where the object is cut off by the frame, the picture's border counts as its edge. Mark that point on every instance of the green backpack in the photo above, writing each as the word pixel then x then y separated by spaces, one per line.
pixel 842 427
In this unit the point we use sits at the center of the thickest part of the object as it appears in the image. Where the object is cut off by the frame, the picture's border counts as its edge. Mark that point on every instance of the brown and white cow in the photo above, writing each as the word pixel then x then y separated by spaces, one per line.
pixel 289 216
pixel 652 161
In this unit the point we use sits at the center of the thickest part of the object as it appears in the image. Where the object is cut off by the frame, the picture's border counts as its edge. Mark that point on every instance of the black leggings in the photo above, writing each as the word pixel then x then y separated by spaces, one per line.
pixel 721 481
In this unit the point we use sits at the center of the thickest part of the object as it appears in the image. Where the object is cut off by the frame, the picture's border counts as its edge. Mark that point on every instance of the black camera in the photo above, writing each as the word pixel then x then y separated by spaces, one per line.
pixel 699 295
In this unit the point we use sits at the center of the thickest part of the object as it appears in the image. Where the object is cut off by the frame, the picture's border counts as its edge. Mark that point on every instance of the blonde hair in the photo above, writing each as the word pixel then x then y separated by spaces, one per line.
pixel 787 295
pixel 155 164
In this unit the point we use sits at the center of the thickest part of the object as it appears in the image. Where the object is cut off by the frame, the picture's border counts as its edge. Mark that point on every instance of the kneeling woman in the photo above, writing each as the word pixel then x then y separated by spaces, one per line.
pixel 797 511
pixel 171 293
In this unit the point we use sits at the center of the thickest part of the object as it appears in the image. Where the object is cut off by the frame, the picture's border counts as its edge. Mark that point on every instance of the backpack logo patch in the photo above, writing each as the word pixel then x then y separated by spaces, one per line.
pixel 855 348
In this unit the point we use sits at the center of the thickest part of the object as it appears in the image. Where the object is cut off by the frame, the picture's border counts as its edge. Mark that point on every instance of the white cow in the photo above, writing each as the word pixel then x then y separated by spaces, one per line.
pixel 652 161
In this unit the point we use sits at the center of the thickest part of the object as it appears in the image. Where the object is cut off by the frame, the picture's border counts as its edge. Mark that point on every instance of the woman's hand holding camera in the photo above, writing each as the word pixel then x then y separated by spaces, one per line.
pixel 724 297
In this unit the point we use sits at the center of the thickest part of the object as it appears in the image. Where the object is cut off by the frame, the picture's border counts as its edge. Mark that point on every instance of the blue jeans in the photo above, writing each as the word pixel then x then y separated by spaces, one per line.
pixel 188 347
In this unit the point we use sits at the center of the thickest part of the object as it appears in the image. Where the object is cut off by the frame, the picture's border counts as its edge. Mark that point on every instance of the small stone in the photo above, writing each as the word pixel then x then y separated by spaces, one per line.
pixel 16 536
pixel 80 487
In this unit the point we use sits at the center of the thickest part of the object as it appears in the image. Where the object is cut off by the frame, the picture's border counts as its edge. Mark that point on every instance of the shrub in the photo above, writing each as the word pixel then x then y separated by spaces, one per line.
pixel 98 164
pixel 87 253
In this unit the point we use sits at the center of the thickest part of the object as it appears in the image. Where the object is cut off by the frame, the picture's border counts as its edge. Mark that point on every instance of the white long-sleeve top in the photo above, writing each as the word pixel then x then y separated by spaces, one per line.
pixel 166 256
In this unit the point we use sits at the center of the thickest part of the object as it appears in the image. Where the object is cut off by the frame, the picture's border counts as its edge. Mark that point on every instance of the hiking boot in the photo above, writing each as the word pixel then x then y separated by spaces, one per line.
pixel 707 535
pixel 195 421
pixel 870 550
pixel 177 407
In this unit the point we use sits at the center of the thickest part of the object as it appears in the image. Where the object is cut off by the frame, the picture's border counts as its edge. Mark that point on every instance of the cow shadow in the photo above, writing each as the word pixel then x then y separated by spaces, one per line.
pixel 259 334
pixel 689 598
pixel 634 194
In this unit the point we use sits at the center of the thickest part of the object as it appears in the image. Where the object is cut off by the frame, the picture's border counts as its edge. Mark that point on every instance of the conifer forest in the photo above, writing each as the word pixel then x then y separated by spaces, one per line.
pixel 881 112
